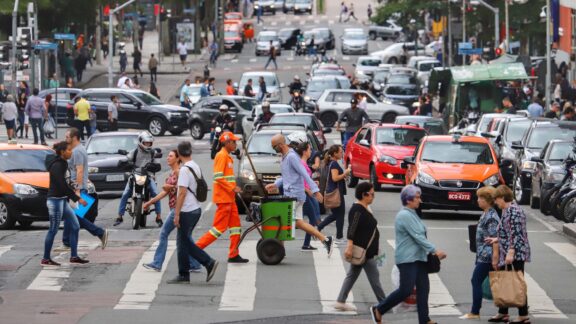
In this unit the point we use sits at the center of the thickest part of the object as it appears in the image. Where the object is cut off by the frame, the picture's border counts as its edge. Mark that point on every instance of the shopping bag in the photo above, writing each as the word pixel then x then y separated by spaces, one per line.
pixel 49 126
pixel 508 288
pixel 486 291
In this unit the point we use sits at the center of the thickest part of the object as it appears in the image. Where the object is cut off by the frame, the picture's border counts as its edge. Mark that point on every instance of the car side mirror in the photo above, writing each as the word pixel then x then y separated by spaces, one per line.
pixel 364 142
pixel 536 159
pixel 354 64
pixel 138 105
pixel 517 145
pixel 327 130
pixel 123 152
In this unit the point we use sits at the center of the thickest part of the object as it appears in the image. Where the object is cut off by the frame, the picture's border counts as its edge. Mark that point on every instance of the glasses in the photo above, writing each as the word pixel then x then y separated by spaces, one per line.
pixel 275 146
pixel 370 194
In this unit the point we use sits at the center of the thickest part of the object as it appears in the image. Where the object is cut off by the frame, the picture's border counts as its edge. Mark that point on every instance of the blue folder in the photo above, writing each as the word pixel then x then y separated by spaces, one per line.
pixel 80 210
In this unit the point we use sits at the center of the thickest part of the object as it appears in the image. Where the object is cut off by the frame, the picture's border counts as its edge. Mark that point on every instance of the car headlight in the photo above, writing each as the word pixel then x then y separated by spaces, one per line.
pixel 492 181
pixel 306 98
pixel 90 187
pixel 360 72
pixel 24 189
pixel 92 170
pixel 387 159
pixel 553 177
pixel 248 174
pixel 171 114
pixel 140 179
pixel 529 165
pixel 387 101
pixel 310 7
pixel 425 178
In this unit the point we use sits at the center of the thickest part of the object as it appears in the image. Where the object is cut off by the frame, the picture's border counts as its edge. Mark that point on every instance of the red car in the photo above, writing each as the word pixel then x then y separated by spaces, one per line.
pixel 377 151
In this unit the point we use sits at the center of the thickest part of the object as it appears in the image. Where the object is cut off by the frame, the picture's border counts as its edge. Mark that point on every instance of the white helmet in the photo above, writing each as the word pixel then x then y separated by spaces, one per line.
pixel 296 77
pixel 145 137
pixel 297 137
pixel 223 107
pixel 266 104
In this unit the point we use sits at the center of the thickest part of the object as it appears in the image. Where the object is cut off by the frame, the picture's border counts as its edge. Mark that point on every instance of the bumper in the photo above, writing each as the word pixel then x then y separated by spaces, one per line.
pixel 264 9
pixel 434 197
pixel 180 124
pixel 302 9
pixel 355 50
pixel 233 47
pixel 108 181
pixel 31 207
pixel 390 174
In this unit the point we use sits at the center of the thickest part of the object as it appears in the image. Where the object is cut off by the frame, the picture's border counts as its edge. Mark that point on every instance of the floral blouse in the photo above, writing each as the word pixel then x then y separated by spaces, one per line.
pixel 512 233
pixel 172 180
pixel 487 227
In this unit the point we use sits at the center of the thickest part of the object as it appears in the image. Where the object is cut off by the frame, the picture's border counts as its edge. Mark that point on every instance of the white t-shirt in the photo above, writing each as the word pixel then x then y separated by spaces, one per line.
pixel 121 81
pixel 186 179
pixel 182 50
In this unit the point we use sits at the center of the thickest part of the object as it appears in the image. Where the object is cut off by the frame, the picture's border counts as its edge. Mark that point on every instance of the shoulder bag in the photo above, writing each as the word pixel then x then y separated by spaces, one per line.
pixel 433 263
pixel 359 253
pixel 331 199
pixel 508 288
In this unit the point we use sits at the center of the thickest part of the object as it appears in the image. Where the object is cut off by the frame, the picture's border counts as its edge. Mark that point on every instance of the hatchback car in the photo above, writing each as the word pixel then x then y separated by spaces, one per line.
pixel 548 171
pixel 450 169
pixel 377 150
pixel 138 109
pixel 310 120
pixel 233 41
pixel 263 43
pixel 327 37
pixel 289 37
pixel 273 84
pixel 354 43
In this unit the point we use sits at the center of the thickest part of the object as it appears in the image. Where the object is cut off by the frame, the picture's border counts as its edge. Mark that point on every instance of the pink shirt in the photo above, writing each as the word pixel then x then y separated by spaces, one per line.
pixel 306 186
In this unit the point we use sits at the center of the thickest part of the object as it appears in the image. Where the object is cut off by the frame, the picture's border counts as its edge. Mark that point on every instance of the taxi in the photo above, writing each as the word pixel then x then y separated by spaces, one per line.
pixel 450 169
pixel 377 150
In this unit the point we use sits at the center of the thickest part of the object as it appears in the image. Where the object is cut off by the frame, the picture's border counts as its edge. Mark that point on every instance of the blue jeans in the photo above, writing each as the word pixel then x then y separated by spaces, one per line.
pixel 338 216
pixel 58 209
pixel 128 190
pixel 311 209
pixel 186 247
pixel 480 273
pixel 347 137
pixel 411 274
pixel 160 253
pixel 85 224
pixel 273 60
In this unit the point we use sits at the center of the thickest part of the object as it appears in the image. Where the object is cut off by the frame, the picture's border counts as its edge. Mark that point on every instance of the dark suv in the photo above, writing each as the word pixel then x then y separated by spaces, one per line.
pixel 537 136
pixel 138 109
pixel 204 111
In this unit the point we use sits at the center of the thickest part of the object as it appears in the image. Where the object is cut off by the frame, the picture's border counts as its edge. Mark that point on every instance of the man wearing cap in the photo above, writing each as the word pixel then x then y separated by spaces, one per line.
pixel 355 118
pixel 224 197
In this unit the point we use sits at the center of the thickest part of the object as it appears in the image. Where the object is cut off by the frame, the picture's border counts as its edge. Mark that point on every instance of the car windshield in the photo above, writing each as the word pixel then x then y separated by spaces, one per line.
pixel 401 79
pixel 23 160
pixel 230 34
pixel 542 135
pixel 260 144
pixel 358 36
pixel 402 91
pixel 302 1
pixel 147 98
pixel 560 151
pixel 321 85
pixel 457 152
pixel 399 136
pixel 309 34
pixel 267 38
pixel 425 67
pixel 325 33
pixel 484 122
pixel 370 62
pixel 247 104
pixel 276 109
pixel 111 144
pixel 285 32
pixel 434 128
pixel 380 76
pixel 328 72
pixel 295 119
pixel 270 80
pixel 516 130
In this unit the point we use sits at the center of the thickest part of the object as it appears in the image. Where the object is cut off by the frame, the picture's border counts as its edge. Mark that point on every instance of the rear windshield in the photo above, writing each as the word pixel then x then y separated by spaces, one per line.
pixel 399 136
pixel 402 91
pixel 23 160
pixel 306 120
pixel 516 130
pixel 542 135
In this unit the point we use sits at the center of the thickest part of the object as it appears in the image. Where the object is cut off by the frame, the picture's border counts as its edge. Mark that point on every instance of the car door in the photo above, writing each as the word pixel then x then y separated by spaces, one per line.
pixel 354 153
pixel 365 153
pixel 210 109
pixel 99 101
pixel 130 114
pixel 341 100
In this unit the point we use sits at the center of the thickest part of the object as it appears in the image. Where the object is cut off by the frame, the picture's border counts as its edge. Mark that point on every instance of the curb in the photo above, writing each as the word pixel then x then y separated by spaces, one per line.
pixel 570 230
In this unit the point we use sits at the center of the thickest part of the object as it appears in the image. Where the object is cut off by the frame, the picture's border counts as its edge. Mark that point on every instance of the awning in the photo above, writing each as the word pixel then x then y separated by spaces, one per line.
pixel 490 72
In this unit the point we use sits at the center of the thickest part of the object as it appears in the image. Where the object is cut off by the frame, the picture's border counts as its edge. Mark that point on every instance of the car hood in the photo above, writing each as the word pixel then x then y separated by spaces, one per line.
pixel 267 44
pixel 354 42
pixel 314 95
pixel 35 179
pixel 458 171
pixel 172 108
pixel 105 160
pixel 262 163
pixel 395 151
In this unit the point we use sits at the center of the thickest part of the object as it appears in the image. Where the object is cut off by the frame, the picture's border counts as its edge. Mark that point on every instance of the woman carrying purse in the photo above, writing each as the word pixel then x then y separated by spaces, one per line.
pixel 363 236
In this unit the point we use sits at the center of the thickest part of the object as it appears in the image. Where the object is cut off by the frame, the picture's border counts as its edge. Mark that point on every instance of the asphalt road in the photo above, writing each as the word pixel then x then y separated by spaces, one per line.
pixel 115 288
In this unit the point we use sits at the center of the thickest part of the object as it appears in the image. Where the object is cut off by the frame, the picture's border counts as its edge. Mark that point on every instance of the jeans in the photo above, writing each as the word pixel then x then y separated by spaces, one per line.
pixel 311 209
pixel 347 137
pixel 160 253
pixel 128 191
pixel 154 74
pixel 37 123
pixel 273 60
pixel 413 273
pixel 522 311
pixel 186 247
pixel 371 269
pixel 480 273
pixel 58 209
pixel 85 224
pixel 338 216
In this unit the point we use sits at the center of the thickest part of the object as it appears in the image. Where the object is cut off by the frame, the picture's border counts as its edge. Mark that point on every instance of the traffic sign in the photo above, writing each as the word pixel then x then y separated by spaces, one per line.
pixel 470 51
pixel 465 46
pixel 46 46
pixel 65 36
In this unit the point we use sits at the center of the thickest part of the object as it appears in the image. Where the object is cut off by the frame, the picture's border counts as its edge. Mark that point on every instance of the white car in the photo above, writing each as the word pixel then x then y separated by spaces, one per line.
pixel 333 102
pixel 393 53
pixel 273 84
pixel 424 69
pixel 385 31
pixel 248 121
pixel 366 65
pixel 415 59
pixel 263 43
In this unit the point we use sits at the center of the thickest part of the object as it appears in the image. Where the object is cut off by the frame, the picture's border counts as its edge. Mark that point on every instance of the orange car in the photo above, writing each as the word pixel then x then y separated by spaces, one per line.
pixel 449 170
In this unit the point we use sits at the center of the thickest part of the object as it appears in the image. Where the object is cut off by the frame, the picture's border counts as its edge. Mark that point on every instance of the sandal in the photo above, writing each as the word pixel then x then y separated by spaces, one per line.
pixel 500 318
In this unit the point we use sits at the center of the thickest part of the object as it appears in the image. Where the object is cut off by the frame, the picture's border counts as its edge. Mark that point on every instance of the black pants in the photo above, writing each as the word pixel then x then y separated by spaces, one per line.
pixel 522 311
pixel 113 125
pixel 338 216
pixel 81 125
pixel 154 74
pixel 37 124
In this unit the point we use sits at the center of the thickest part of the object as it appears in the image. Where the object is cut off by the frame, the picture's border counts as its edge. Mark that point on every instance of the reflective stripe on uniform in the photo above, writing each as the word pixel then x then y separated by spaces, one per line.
pixel 235 230
pixel 218 175
pixel 230 178
pixel 214 231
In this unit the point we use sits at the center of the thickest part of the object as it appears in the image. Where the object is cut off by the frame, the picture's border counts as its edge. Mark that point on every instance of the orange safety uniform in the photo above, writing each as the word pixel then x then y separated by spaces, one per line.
pixel 227 216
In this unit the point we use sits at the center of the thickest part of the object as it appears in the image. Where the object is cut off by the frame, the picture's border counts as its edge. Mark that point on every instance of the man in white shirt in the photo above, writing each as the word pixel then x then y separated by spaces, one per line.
pixel 186 216
pixel 183 52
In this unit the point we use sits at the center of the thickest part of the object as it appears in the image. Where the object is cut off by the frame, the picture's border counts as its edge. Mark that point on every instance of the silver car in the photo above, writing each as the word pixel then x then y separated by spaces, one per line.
pixel 366 65
pixel 263 43
pixel 334 101
pixel 248 121
pixel 273 84
pixel 354 43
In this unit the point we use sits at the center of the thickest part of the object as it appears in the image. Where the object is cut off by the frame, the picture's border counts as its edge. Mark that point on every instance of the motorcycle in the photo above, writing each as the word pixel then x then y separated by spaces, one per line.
pixel 218 130
pixel 301 48
pixel 564 191
pixel 297 101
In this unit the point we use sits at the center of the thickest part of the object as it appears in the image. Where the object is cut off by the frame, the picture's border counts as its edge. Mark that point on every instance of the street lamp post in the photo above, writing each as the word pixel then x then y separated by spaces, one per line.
pixel 14 47
pixel 111 40
pixel 548 57
pixel 496 12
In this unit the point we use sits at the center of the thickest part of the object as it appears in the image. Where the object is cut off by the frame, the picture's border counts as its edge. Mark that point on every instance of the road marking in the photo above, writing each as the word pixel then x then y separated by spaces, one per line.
pixel 208 206
pixel 252 60
pixel 54 278
pixel 566 250
pixel 290 58
pixel 302 22
pixel 140 290
pixel 239 291
pixel 288 23
pixel 454 228
pixel 329 273
pixel 226 69
pixel 541 305
pixel 330 22
pixel 274 23
pixel 4 249
pixel 346 58
pixel 543 222
pixel 234 61
pixel 439 300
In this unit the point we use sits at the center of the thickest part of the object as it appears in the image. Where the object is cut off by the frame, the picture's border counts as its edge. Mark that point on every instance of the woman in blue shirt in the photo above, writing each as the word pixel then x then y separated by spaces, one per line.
pixel 412 249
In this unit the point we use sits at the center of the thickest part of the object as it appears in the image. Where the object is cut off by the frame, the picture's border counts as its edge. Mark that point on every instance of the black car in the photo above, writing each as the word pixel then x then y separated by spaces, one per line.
pixel 548 171
pixel 539 134
pixel 205 110
pixel 61 98
pixel 401 94
pixel 432 125
pixel 327 36
pixel 288 37
pixel 138 109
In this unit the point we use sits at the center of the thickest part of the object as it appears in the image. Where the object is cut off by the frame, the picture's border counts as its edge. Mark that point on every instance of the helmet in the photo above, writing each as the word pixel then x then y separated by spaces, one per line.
pixel 296 77
pixel 145 137
pixel 223 107
pixel 297 138
pixel 266 104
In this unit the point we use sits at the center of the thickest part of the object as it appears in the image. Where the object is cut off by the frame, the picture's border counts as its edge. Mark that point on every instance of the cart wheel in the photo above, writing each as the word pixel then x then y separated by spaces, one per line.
pixel 270 251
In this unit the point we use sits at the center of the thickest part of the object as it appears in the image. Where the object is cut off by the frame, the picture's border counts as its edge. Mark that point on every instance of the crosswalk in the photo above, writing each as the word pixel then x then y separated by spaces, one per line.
pixel 312 276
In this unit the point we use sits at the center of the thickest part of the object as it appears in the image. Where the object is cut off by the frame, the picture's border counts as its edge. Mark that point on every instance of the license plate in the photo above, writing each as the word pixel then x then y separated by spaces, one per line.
pixel 114 177
pixel 459 196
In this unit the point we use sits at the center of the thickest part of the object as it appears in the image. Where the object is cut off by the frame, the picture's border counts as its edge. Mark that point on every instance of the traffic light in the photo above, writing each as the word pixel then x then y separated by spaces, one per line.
pixel 220 13
pixel 4 53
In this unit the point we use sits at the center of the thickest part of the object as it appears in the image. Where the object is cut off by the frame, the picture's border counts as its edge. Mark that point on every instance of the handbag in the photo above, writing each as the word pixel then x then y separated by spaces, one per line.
pixel 508 288
pixel 433 263
pixel 472 237
pixel 49 126
pixel 332 199
pixel 486 291
pixel 359 253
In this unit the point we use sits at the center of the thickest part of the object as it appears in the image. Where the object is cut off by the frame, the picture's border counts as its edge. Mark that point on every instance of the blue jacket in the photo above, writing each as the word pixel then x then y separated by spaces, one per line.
pixel 293 176
pixel 411 242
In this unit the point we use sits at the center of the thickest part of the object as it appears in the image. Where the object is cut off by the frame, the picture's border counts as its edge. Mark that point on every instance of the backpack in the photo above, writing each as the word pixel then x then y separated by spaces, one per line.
pixel 201 193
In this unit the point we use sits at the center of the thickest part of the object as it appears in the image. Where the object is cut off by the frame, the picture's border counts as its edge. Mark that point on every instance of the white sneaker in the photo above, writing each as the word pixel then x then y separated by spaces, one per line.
pixel 344 307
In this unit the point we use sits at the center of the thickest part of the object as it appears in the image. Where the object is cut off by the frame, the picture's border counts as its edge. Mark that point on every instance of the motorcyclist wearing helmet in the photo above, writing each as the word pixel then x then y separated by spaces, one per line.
pixel 296 85
pixel 223 119
pixel 139 157
pixel 265 116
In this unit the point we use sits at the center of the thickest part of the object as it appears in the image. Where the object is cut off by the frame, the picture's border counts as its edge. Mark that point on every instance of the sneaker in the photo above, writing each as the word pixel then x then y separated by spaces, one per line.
pixel 150 266
pixel 104 239
pixel 308 249
pixel 344 307
pixel 78 260
pixel 329 245
pixel 237 259
pixel 49 263
pixel 178 279
pixel 211 269
pixel 118 221
pixel 196 270
pixel 470 316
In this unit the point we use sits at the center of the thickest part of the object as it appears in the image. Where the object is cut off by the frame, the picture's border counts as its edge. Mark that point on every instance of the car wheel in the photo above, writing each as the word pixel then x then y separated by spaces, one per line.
pixel 555 203
pixel 545 197
pixel 396 35
pixel 176 132
pixel 372 36
pixel 7 219
pixel 534 202
pixel 25 224
pixel 374 178
pixel 351 181
pixel 393 60
pixel 329 118
pixel 570 210
pixel 519 192
pixel 389 117
pixel 196 130
pixel 156 126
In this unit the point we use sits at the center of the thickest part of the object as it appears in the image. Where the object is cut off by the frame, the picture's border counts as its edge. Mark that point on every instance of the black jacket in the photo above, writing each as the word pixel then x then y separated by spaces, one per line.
pixel 57 167
pixel 361 227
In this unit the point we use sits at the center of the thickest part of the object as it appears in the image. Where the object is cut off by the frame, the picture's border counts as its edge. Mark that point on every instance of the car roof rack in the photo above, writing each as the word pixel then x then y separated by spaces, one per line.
pixel 265 126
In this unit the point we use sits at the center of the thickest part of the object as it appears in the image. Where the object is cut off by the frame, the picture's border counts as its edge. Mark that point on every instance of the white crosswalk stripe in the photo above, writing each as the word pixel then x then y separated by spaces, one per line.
pixel 239 291
pixel 4 249
pixel 541 305
pixel 566 250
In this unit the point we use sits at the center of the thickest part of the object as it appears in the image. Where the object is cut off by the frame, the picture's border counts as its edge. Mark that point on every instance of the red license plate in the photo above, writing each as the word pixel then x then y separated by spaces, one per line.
pixel 459 196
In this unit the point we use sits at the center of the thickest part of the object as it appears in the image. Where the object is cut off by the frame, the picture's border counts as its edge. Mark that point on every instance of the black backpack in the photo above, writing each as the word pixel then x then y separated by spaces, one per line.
pixel 201 193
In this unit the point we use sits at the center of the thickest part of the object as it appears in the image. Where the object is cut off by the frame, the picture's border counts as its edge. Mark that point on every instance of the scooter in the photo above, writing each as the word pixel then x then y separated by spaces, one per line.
pixel 297 101
pixel 301 48
pixel 565 190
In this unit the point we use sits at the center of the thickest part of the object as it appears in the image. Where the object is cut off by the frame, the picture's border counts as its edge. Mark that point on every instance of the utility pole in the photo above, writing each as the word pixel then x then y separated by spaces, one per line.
pixel 99 35
pixel 111 41
pixel 507 46
pixel 450 62
pixel 463 28
pixel 548 85
pixel 14 47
